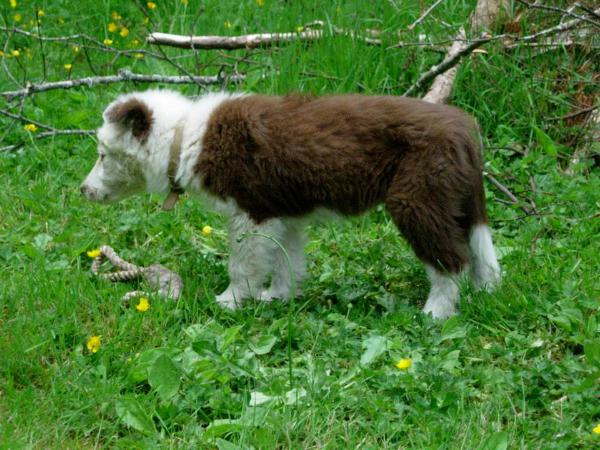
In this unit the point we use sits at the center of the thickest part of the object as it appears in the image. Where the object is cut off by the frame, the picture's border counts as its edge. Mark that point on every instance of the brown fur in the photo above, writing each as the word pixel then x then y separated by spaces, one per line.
pixel 286 156
pixel 133 114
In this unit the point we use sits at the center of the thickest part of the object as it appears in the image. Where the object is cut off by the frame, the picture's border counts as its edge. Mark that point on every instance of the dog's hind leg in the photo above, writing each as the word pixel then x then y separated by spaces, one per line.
pixel 428 219
pixel 293 241
pixel 251 257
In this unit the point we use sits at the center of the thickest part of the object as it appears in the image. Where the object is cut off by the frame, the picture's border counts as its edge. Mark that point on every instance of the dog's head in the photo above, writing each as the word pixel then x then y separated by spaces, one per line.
pixel 122 149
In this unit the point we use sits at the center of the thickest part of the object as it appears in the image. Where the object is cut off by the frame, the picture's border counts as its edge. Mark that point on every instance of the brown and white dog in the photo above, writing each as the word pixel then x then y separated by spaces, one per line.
pixel 268 162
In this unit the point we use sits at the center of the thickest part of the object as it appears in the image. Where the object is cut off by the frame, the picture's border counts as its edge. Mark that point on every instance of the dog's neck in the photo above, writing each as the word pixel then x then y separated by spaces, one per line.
pixel 175 189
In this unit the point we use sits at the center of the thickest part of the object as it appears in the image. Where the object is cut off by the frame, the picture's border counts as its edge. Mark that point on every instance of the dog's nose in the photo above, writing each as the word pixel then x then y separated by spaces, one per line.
pixel 84 189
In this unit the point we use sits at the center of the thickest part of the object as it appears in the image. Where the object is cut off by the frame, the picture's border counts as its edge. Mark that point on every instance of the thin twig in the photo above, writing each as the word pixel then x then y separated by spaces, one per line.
pixel 574 114
pixel 424 15
pixel 559 10
pixel 50 130
pixel 123 76
pixel 508 194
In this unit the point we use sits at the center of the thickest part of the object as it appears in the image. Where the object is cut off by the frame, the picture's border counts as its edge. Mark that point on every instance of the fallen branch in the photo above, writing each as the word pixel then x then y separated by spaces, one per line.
pixel 449 61
pixel 50 130
pixel 123 76
pixel 231 42
pixel 556 9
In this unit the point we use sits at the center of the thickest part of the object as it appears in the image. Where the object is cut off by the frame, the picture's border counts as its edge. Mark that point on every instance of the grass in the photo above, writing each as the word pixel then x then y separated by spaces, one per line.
pixel 516 368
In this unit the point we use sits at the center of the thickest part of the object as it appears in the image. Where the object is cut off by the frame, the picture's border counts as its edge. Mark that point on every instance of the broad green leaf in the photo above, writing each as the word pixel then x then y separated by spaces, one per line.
pixel 452 329
pixel 546 142
pixel 496 441
pixel 223 426
pixel 374 346
pixel 263 344
pixel 133 415
pixel 164 377
pixel 222 444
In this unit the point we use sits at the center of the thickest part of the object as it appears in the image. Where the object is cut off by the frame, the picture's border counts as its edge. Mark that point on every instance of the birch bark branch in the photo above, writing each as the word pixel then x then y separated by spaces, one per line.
pixel 123 76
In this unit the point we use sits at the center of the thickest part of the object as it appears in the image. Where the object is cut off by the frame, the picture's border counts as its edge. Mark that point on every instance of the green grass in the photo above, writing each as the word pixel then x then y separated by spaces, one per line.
pixel 518 367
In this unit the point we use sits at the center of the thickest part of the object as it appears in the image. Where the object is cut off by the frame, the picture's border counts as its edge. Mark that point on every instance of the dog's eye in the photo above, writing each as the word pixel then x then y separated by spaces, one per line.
pixel 102 156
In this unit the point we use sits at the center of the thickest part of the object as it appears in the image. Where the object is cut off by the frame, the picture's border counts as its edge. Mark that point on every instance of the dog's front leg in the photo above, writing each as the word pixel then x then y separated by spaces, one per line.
pixel 251 257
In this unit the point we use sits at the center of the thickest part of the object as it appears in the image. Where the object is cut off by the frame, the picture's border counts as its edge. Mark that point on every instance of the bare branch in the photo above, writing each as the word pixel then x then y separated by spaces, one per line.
pixel 424 15
pixel 123 76
pixel 231 42
pixel 50 130
pixel 449 61
pixel 514 200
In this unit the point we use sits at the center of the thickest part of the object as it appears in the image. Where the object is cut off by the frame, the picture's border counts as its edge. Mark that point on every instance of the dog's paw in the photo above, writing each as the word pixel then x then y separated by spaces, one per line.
pixel 439 310
pixel 228 300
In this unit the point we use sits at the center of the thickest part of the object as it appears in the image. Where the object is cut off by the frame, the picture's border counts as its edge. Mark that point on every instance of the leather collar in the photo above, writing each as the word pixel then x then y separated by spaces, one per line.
pixel 175 189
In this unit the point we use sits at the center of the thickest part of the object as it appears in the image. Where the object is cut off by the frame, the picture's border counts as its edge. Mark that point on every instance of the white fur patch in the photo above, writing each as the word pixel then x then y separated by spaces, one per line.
pixel 485 269
pixel 444 294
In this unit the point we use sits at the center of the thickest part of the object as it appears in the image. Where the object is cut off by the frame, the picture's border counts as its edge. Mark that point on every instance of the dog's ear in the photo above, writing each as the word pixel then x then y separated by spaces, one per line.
pixel 132 113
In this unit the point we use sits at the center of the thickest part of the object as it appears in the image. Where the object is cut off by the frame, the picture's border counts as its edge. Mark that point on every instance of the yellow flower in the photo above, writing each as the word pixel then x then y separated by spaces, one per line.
pixel 143 305
pixel 68 66
pixel 13 3
pixel 151 5
pixel 115 16
pixel 124 32
pixel 260 2
pixel 138 55
pixel 41 13
pixel 207 230
pixel 227 24
pixel 18 17
pixel 30 127
pixel 76 48
pixel 16 53
pixel 93 344
pixel 1 53
pixel 596 429
pixel 404 364
pixel 112 27
pixel 94 253
pixel 107 41
pixel 135 42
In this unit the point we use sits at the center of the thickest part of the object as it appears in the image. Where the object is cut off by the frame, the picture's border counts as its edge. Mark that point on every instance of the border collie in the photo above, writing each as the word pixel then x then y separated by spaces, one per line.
pixel 268 162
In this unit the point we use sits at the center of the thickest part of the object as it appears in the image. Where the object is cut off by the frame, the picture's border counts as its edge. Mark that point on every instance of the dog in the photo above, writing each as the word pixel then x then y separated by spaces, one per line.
pixel 269 162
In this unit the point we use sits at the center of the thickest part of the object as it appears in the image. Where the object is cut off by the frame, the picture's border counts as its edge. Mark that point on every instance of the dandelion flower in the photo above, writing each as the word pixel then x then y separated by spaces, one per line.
pixel 32 128
pixel 135 42
pixel 124 32
pixel 41 13
pixel 17 17
pixel 207 230
pixel 151 5
pixel 93 344
pixel 76 48
pixel 138 55
pixel 115 16
pixel 260 2
pixel 13 3
pixel 112 27
pixel 143 305
pixel 94 253
pixel 16 53
pixel 107 41
pixel 404 363
pixel 68 66
pixel 596 429
pixel 227 24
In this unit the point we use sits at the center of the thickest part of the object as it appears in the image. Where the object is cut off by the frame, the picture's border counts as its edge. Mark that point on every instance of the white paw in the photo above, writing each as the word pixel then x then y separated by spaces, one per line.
pixel 487 278
pixel 228 300
pixel 439 309
pixel 268 295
